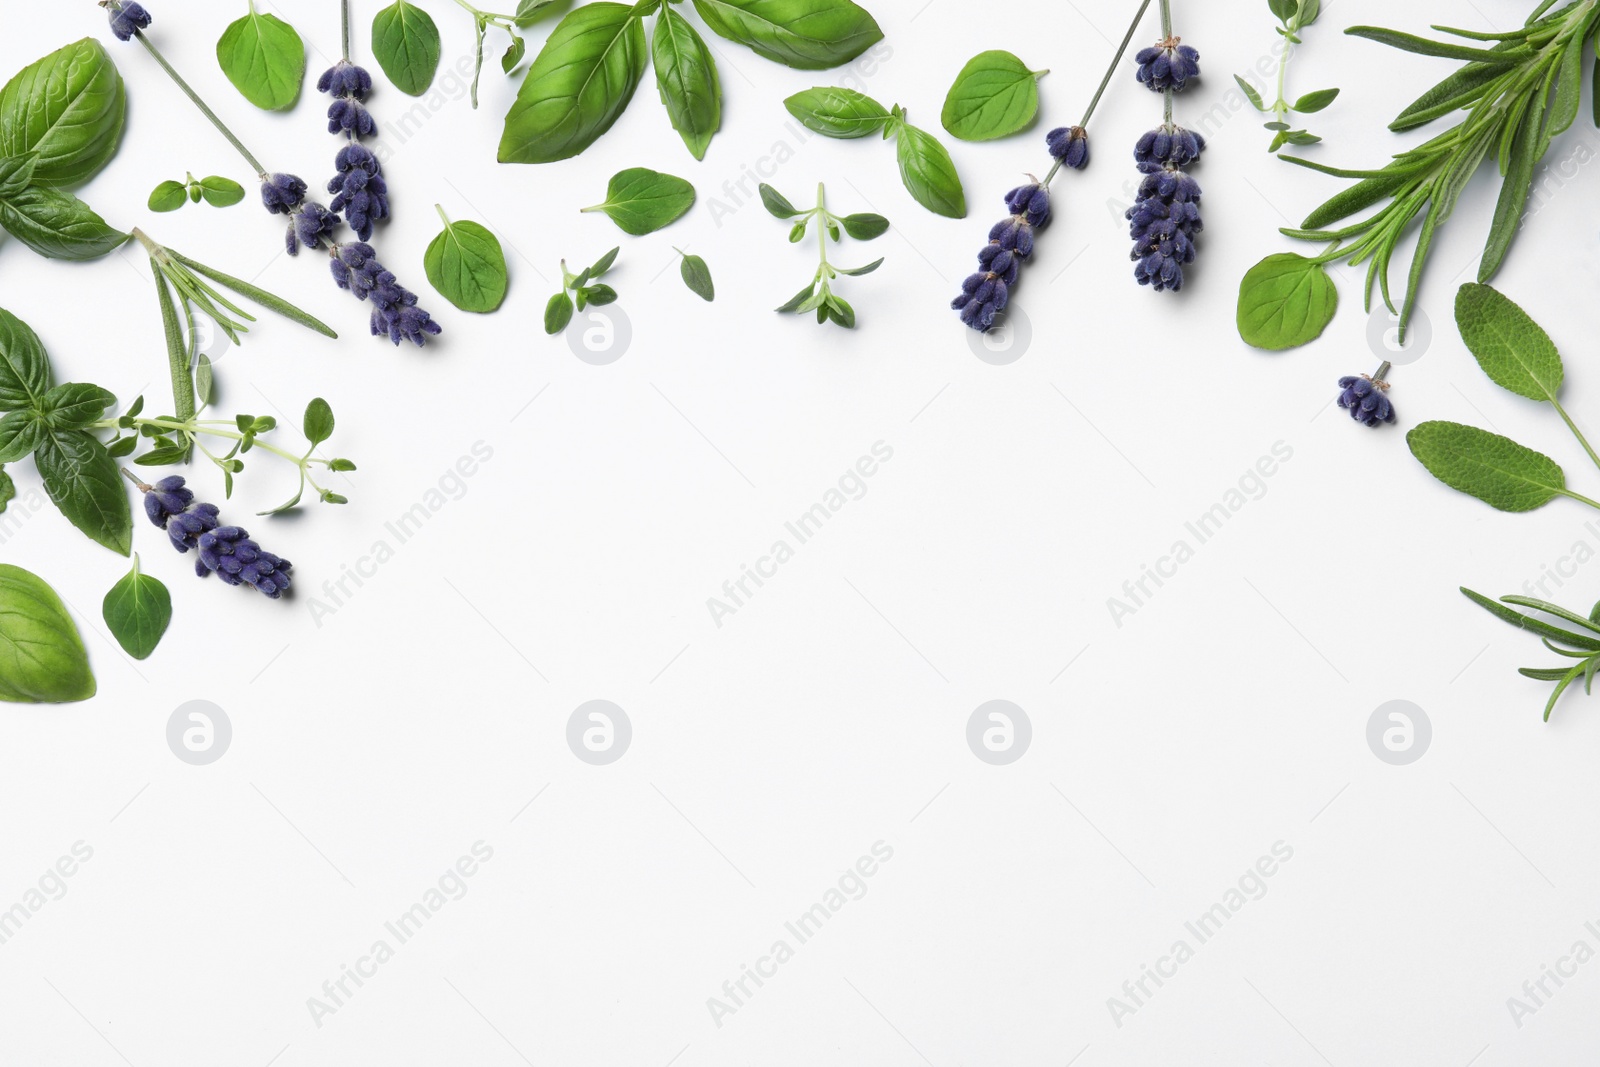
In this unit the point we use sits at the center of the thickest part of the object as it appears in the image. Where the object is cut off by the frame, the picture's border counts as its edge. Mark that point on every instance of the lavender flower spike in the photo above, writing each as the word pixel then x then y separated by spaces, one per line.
pixel 226 551
pixel 126 18
pixel 395 313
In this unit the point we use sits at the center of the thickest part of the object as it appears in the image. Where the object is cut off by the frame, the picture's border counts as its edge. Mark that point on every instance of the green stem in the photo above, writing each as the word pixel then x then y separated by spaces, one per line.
pixel 1580 498
pixel 191 427
pixel 194 98
pixel 822 228
pixel 1280 109
pixel 1116 60
pixel 1575 431
pixel 344 27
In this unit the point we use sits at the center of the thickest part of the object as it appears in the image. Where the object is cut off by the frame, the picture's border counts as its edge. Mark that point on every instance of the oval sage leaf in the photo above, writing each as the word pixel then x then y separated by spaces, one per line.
pixel 137 611
pixel 1495 469
pixel 42 658
pixel 68 108
pixel 264 58
pixel 581 80
pixel 405 42
pixel 1513 350
pixel 805 34
pixel 640 200
pixel 835 111
pixel 686 75
pixel 929 173
pixel 995 95
pixel 1285 301
pixel 466 264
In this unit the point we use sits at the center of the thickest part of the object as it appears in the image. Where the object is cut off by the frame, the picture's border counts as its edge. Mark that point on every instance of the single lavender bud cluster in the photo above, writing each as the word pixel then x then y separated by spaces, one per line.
pixel 226 551
pixel 986 293
pixel 127 19
pixel 360 192
pixel 1365 398
pixel 1168 64
pixel 1069 145
pixel 1165 216
pixel 395 313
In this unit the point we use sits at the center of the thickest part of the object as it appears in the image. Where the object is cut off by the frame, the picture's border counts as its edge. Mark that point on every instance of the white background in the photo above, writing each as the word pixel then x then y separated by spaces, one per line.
pixel 374 745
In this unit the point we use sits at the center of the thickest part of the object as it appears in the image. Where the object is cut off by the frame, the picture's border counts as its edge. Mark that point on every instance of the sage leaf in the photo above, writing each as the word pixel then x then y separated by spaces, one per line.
pixel 405 41
pixel 995 95
pixel 557 313
pixel 74 405
pixel 1512 349
pixel 137 611
pixel 686 76
pixel 929 173
pixel 221 192
pixel 81 478
pixel 42 658
pixel 834 111
pixel 805 34
pixel 264 58
pixel 640 200
pixel 1285 301
pixel 25 375
pixel 865 226
pixel 168 196
pixel 581 80
pixel 697 276
pixel 1495 469
pixel 318 423
pixel 58 225
pixel 467 265
pixel 68 109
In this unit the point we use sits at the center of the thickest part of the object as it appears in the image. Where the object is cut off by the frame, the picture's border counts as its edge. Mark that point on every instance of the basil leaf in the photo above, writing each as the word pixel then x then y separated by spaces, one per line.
pixel 318 425
pixel 865 226
pixel 8 489
pixel 137 611
pixel 57 225
pixel 42 658
pixel 776 203
pixel 1495 469
pixel 82 479
pixel 995 95
pixel 837 112
pixel 686 76
pixel 579 83
pixel 466 264
pixel 74 405
pixel 406 43
pixel 806 34
pixel 16 173
pixel 264 58
pixel 929 173
pixel 68 107
pixel 531 11
pixel 640 200
pixel 168 196
pixel 20 434
pixel 697 276
pixel 221 192
pixel 1285 301
pixel 557 313
pixel 513 54
pixel 24 366
pixel 1512 349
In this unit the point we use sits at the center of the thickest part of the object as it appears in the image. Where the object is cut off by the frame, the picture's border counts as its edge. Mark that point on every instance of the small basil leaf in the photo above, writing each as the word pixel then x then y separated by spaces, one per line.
pixel 57 225
pixel 74 405
pixel 865 226
pixel 318 425
pixel 42 658
pixel 557 313
pixel 68 108
pixel 697 276
pixel 264 58
pixel 776 204
pixel 406 43
pixel 929 173
pixel 531 11
pixel 1314 101
pixel 686 75
pixel 466 264
pixel 995 95
pixel 579 83
pixel 24 366
pixel 81 478
pixel 221 192
pixel 168 196
pixel 1285 301
pixel 1495 469
pixel 137 611
pixel 835 111
pixel 640 200
pixel 122 446
pixel 513 54
pixel 20 433
pixel 806 34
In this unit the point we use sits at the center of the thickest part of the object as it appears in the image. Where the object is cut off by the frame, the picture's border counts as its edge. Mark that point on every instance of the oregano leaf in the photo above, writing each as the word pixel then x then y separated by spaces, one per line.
pixel 137 611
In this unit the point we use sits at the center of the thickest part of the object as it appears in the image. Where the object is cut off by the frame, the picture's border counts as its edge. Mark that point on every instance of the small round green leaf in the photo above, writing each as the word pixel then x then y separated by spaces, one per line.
pixel 221 192
pixel 865 226
pixel 640 200
pixel 137 611
pixel 168 196
pixel 318 421
pixel 264 58
pixel 42 658
pixel 995 95
pixel 1285 301
pixel 468 267
pixel 405 42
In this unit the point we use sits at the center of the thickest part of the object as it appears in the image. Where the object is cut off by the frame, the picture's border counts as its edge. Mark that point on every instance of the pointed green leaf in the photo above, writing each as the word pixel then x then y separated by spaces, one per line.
pixel 686 76
pixel 66 108
pixel 805 34
pixel 640 200
pixel 1495 469
pixel 137 611
pixel 1511 348
pixel 928 172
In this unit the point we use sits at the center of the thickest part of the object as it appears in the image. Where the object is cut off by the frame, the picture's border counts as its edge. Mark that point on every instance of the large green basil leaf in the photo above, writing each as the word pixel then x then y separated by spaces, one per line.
pixel 58 225
pixel 687 77
pixel 42 658
pixel 807 34
pixel 581 81
pixel 264 58
pixel 16 173
pixel 835 111
pixel 24 365
pixel 82 479
pixel 74 405
pixel 928 172
pixel 68 107
pixel 20 433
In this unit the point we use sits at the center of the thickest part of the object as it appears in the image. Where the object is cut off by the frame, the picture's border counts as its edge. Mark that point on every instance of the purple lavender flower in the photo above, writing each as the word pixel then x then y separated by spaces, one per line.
pixel 282 193
pixel 985 294
pixel 349 117
pixel 1167 146
pixel 127 18
pixel 1163 223
pixel 344 78
pixel 310 226
pixel 1168 65
pixel 395 313
pixel 360 192
pixel 225 551
pixel 1364 397
pixel 1069 144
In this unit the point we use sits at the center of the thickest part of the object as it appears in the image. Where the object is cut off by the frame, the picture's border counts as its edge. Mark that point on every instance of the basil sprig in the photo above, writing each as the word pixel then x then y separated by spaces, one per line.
pixel 926 169
pixel 588 70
